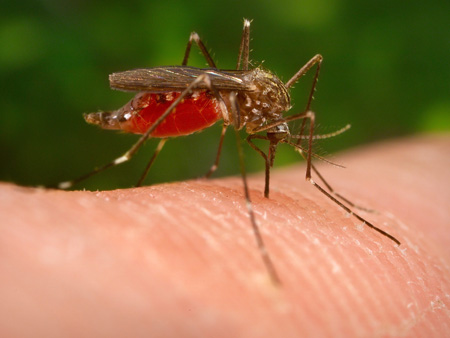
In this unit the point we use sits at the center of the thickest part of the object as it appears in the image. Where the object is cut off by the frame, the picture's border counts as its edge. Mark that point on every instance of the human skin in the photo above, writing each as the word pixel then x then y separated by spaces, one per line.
pixel 180 259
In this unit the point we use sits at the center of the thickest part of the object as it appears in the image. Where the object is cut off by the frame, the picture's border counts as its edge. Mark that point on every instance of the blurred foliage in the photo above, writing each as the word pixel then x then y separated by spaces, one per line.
pixel 386 71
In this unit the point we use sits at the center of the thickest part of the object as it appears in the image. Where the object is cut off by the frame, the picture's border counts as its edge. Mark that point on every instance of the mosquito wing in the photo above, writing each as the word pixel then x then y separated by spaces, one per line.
pixel 177 78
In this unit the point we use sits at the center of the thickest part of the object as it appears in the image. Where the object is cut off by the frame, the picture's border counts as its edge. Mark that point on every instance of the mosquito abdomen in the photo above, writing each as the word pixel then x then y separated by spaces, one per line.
pixel 195 112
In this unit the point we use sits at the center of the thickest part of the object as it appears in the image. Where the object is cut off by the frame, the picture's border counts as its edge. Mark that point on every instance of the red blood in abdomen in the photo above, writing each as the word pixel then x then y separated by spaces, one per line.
pixel 194 113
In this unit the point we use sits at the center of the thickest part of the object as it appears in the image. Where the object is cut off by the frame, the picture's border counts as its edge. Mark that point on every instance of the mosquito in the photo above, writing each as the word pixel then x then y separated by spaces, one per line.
pixel 174 101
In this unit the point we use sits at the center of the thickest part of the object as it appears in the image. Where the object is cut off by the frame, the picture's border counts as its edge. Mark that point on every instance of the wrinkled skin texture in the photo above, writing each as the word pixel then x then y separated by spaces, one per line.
pixel 180 259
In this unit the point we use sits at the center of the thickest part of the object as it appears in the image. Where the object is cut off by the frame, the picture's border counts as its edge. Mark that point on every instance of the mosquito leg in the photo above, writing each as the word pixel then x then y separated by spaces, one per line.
pixel 272 147
pixel 195 38
pixel 68 184
pixel 152 159
pixel 259 240
pixel 332 191
pixel 244 48
pixel 348 210
pixel 219 151
pixel 327 185
pixel 270 267
pixel 236 116
pixel 265 157
pixel 315 60
pixel 326 193
pixel 309 167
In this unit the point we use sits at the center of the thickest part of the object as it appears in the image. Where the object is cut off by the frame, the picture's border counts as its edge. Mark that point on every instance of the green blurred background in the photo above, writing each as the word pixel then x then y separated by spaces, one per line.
pixel 386 71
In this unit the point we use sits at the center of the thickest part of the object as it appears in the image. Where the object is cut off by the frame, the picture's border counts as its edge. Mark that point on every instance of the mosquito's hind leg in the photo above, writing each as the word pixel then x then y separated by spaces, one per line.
pixel 243 57
pixel 194 37
pixel 244 48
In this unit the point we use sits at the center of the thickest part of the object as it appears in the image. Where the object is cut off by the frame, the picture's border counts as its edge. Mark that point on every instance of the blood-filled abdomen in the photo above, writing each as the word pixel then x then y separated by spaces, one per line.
pixel 195 112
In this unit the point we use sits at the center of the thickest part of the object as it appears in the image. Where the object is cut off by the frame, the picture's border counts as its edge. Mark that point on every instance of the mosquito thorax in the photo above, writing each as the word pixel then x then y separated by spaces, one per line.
pixel 266 102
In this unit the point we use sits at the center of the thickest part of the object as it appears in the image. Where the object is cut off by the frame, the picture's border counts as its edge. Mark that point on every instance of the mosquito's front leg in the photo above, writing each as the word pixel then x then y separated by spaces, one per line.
pixel 338 195
pixel 311 116
pixel 350 212
pixel 264 156
pixel 272 147
pixel 324 181
pixel 315 60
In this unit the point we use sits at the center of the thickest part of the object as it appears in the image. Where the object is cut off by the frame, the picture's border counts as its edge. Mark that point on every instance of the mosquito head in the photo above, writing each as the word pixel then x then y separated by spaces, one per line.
pixel 278 132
